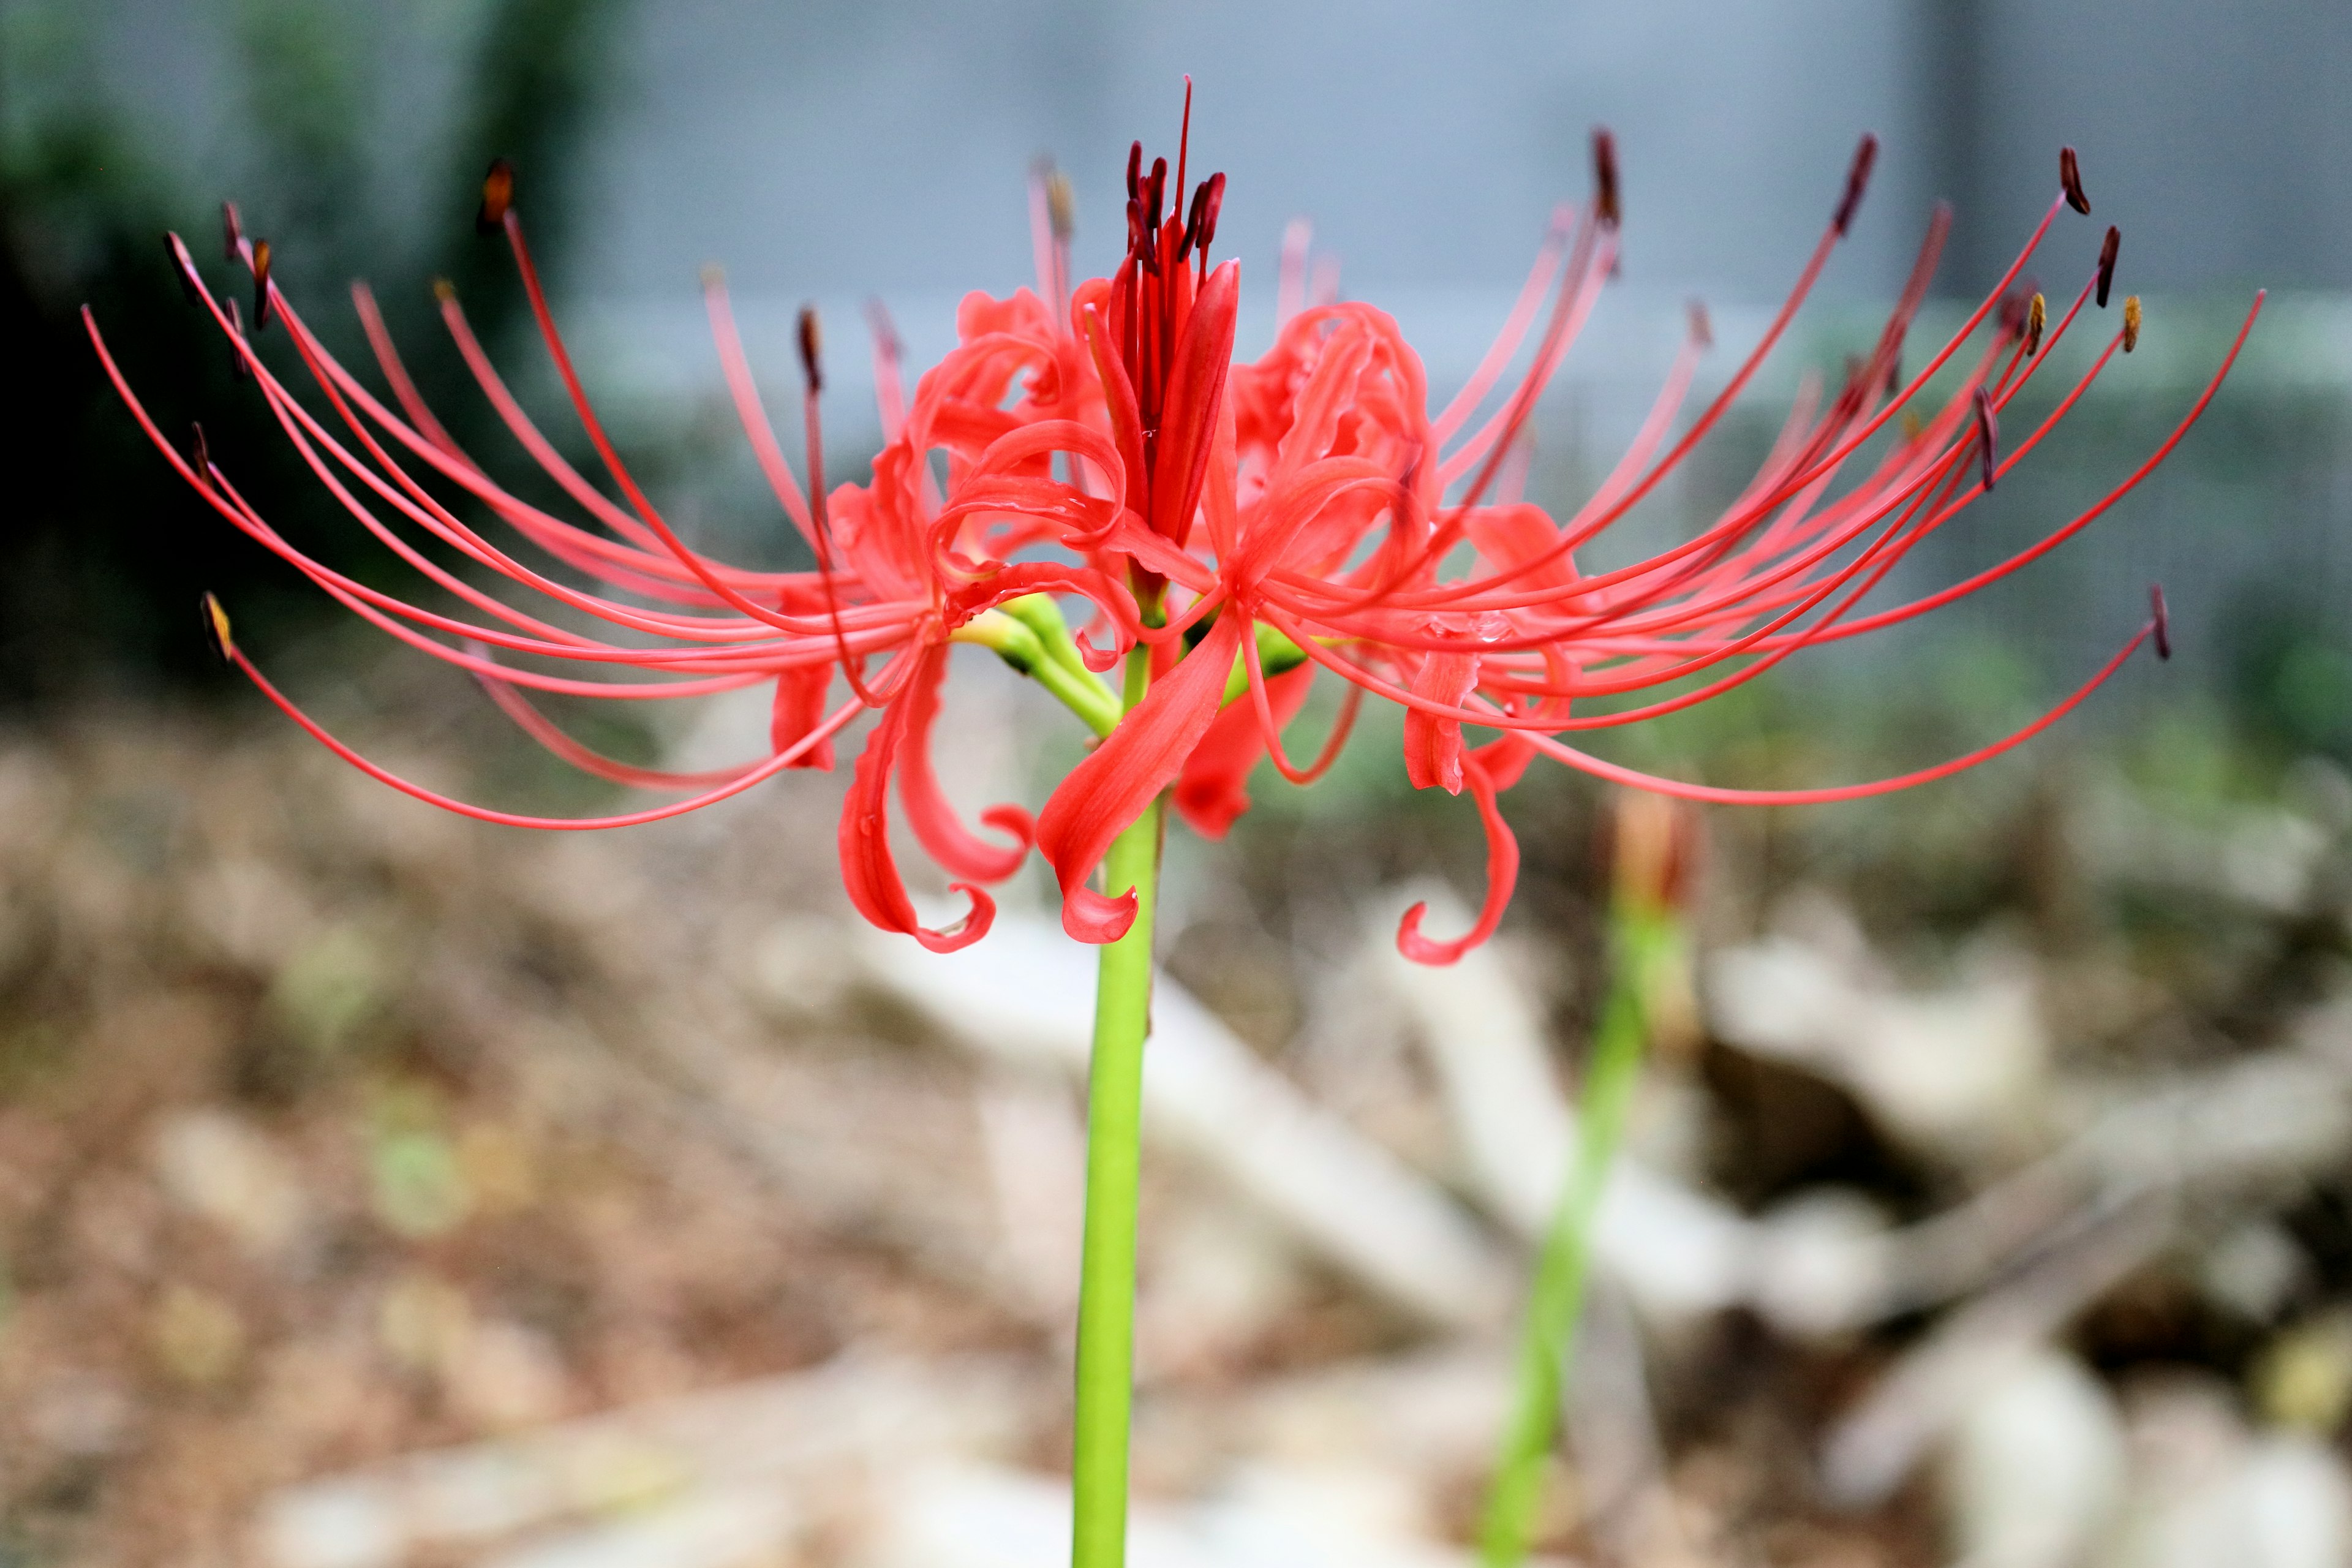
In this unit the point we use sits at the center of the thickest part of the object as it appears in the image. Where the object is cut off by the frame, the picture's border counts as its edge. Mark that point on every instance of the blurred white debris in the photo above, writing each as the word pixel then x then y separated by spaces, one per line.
pixel 735 1527
pixel 977 1516
pixel 1960 1073
pixel 2265 856
pixel 216 1164
pixel 2254 1270
pixel 2206 1492
pixel 2034 1469
pixel 1036 1149
pixel 1875 1446
pixel 1678 1252
pixel 1023 998
pixel 786 1433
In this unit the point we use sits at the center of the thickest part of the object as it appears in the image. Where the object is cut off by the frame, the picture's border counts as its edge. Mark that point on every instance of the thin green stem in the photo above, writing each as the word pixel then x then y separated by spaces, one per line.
pixel 1556 1298
pixel 1106 1373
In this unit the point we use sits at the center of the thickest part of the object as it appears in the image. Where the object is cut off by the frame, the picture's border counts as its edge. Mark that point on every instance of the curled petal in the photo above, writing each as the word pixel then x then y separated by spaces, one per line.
pixel 867 870
pixel 1212 789
pixel 1433 746
pixel 1195 388
pixel 800 708
pixel 1502 875
pixel 1112 787
pixel 927 811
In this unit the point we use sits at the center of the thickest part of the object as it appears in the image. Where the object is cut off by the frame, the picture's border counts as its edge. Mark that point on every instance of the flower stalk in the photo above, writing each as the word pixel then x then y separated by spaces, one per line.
pixel 1105 1347
pixel 1648 956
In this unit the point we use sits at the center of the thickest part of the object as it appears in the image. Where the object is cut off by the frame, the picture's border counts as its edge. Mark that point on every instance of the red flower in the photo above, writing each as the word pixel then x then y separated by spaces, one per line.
pixel 1249 524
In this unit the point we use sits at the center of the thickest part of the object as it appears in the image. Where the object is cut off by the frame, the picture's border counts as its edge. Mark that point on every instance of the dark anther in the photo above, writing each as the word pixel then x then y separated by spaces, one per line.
pixel 2131 323
pixel 1208 202
pixel 1702 330
pixel 216 636
pixel 187 284
pixel 812 341
pixel 2037 315
pixel 2107 263
pixel 1604 177
pixel 1857 179
pixel 1192 222
pixel 260 285
pixel 497 194
pixel 231 231
pixel 1988 435
pixel 1135 172
pixel 1893 372
pixel 885 331
pixel 237 367
pixel 1155 195
pixel 2163 627
pixel 2070 176
pixel 199 458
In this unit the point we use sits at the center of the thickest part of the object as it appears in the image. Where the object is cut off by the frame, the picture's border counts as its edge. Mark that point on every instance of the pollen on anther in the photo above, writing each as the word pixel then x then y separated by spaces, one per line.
pixel 2070 177
pixel 216 632
pixel 1604 178
pixel 2108 262
pixel 498 195
pixel 2037 316
pixel 2131 323
pixel 260 285
pixel 1061 204
pixel 812 346
pixel 444 291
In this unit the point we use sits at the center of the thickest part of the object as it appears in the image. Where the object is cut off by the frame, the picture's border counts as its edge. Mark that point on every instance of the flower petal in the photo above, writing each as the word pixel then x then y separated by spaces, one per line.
pixel 1212 789
pixel 867 870
pixel 1196 385
pixel 799 709
pixel 1502 875
pixel 927 811
pixel 1112 787
pixel 1433 746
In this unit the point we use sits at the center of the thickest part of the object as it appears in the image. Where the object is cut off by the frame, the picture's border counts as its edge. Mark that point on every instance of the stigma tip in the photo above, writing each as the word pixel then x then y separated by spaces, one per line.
pixel 231 231
pixel 2070 176
pixel 1857 179
pixel 2163 627
pixel 498 195
pixel 216 634
pixel 2131 323
pixel 812 343
pixel 1604 177
pixel 1987 436
pixel 2108 262
pixel 2037 315
pixel 260 285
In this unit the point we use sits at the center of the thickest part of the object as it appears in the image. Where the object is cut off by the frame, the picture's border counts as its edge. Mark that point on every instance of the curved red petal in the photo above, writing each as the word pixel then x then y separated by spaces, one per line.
pixel 1113 785
pixel 1212 789
pixel 1433 746
pixel 927 811
pixel 1502 876
pixel 799 709
pixel 868 871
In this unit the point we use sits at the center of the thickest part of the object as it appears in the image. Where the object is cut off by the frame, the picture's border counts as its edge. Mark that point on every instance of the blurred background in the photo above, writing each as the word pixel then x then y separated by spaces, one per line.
pixel 380 1188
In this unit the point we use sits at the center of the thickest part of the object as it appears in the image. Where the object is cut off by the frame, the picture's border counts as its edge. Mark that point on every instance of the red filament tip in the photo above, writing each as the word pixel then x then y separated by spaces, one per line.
pixel 237 367
pixel 199 457
pixel 2070 176
pixel 1857 179
pixel 2107 263
pixel 231 231
pixel 187 284
pixel 1702 330
pixel 497 194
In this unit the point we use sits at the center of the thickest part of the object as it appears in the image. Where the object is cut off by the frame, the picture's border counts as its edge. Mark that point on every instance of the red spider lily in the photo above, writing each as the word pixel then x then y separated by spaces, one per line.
pixel 1248 524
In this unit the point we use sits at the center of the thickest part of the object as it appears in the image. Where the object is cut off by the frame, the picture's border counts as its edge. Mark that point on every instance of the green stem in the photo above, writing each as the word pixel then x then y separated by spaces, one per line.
pixel 1556 1298
pixel 1106 1373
